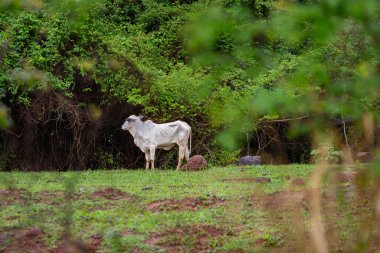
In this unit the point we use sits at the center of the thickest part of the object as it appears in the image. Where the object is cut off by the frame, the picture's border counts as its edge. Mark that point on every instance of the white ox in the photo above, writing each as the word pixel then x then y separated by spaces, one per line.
pixel 149 136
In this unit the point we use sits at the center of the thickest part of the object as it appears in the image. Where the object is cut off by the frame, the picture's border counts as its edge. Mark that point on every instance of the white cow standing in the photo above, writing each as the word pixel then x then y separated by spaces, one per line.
pixel 149 136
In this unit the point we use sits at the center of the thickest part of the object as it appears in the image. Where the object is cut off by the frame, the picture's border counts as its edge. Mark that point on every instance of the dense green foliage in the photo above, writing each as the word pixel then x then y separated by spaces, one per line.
pixel 209 63
pixel 132 50
pixel 318 60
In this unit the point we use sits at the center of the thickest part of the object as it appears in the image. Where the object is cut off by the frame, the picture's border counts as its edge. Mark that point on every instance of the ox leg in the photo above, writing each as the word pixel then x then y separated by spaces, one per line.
pixel 187 154
pixel 152 154
pixel 147 160
pixel 181 154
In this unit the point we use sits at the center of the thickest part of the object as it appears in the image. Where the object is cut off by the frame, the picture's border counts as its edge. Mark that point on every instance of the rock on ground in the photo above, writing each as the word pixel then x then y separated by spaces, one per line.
pixel 195 163
pixel 250 160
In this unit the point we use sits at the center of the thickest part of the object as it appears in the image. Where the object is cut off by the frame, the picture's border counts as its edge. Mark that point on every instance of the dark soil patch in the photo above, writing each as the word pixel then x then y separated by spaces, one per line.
pixel 298 182
pixel 186 238
pixel 49 198
pixel 22 240
pixel 71 246
pixel 344 177
pixel 260 242
pixel 78 246
pixel 56 198
pixel 262 180
pixel 20 196
pixel 285 200
pixel 94 243
pixel 112 194
pixel 14 196
pixel 186 204
pixel 248 180
pixel 32 240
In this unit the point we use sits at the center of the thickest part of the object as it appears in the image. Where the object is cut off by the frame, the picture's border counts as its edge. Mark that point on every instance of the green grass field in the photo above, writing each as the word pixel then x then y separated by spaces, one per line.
pixel 229 209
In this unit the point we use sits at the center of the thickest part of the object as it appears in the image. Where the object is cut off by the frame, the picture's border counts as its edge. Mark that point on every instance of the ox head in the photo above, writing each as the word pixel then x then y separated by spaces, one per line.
pixel 131 121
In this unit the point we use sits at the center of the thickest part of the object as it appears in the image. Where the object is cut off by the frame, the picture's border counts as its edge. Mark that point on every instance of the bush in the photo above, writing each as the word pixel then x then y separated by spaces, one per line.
pixel 327 154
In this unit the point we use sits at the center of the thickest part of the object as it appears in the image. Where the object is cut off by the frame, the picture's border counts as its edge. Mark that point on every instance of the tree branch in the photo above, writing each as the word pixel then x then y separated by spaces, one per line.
pixel 289 119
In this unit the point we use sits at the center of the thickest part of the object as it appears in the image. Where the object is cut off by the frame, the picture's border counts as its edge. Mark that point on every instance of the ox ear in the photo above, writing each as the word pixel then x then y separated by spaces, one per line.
pixel 140 117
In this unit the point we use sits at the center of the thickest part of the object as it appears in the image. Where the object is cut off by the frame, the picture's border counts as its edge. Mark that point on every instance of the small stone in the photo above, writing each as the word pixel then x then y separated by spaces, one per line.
pixel 287 177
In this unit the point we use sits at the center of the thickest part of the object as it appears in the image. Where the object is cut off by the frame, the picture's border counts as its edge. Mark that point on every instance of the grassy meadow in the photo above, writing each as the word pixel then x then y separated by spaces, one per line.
pixel 232 209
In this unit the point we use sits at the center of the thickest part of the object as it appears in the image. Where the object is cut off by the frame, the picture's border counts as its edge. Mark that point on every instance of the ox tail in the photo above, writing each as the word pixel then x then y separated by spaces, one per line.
pixel 190 143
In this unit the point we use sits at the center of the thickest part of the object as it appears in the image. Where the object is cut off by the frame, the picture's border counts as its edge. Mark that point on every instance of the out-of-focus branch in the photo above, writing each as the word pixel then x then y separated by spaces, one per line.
pixel 317 226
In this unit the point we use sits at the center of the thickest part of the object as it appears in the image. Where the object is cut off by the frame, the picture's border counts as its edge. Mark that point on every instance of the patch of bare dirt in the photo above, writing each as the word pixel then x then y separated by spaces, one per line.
pixel 78 246
pixel 22 240
pixel 248 180
pixel 287 200
pixel 49 198
pixel 32 240
pixel 186 204
pixel 344 177
pixel 14 196
pixel 56 198
pixel 298 182
pixel 262 180
pixel 94 243
pixel 186 238
pixel 260 242
pixel 21 196
pixel 112 194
